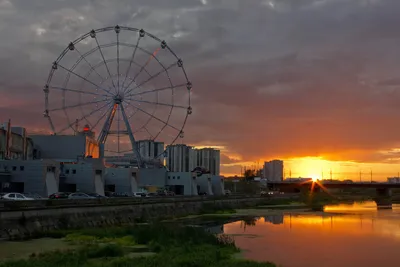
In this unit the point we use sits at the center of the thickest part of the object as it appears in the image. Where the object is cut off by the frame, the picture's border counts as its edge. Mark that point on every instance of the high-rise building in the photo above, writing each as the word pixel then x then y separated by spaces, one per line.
pixel 181 158
pixel 149 149
pixel 209 158
pixel 273 170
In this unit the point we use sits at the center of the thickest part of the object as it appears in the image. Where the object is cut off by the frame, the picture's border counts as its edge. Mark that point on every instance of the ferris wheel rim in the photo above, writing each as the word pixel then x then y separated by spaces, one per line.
pixel 107 101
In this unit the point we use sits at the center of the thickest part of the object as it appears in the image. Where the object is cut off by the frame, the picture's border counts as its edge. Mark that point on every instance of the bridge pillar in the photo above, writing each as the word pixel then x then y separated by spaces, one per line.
pixel 383 198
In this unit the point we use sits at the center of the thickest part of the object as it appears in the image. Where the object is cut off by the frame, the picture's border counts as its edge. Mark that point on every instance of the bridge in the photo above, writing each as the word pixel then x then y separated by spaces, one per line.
pixel 383 190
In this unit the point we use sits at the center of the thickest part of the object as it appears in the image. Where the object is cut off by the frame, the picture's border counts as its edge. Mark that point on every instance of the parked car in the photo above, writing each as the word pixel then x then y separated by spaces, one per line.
pixel 151 195
pixel 33 195
pixel 139 194
pixel 228 192
pixel 59 195
pixel 161 193
pixel 95 195
pixel 170 193
pixel 16 197
pixel 80 196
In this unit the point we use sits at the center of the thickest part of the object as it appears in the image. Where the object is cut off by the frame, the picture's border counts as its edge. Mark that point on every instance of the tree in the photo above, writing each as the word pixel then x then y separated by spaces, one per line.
pixel 249 174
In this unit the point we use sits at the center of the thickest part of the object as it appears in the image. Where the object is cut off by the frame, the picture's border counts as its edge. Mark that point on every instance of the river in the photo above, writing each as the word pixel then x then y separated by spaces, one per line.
pixel 349 235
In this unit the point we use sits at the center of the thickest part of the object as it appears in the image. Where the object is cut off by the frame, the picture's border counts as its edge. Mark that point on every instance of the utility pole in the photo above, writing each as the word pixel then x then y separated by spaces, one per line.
pixel 360 176
pixel 371 176
pixel 331 174
pixel 322 175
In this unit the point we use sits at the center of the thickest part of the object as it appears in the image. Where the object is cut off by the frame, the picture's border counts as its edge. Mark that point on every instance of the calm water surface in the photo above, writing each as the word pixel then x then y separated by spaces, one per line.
pixel 363 237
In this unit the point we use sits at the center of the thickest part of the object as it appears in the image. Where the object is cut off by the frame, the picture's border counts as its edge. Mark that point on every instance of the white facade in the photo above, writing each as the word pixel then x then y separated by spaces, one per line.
pixel 182 183
pixel 150 149
pixel 209 158
pixel 181 158
pixel 393 180
pixel 273 170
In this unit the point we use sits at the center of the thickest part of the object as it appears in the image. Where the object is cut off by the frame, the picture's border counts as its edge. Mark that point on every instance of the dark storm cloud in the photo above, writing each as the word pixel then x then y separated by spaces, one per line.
pixel 271 78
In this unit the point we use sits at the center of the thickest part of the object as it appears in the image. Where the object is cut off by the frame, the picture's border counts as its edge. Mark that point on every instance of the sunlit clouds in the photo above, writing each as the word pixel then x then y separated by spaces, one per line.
pixel 290 79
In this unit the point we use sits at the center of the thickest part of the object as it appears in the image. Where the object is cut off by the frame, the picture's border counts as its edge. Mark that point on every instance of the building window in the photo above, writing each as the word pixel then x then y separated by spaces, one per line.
pixel 73 171
pixel 173 177
pixel 14 168
pixel 21 168
pixel 169 177
pixel 67 171
pixel 179 177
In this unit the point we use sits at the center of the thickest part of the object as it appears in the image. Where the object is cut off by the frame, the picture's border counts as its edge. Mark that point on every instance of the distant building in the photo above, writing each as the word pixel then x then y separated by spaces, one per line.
pixel 393 180
pixel 15 144
pixel 273 170
pixel 149 149
pixel 209 158
pixel 181 158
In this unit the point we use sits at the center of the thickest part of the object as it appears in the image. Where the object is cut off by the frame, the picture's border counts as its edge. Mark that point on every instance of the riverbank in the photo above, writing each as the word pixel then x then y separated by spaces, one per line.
pixel 142 245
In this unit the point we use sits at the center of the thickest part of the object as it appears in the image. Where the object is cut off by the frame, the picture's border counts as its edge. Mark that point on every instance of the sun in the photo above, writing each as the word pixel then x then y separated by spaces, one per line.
pixel 314 178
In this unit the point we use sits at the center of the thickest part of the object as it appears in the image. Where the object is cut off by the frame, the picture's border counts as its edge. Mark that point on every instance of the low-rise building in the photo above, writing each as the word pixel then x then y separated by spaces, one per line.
pixel 393 180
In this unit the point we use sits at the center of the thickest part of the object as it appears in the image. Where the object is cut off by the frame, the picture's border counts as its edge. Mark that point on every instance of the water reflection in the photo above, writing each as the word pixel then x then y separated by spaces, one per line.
pixel 350 235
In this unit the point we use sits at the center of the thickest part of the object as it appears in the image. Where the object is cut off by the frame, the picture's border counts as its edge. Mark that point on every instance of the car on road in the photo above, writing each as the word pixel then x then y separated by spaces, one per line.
pixel 16 197
pixel 34 196
pixel 80 196
pixel 139 194
pixel 228 192
pixel 59 195
pixel 95 195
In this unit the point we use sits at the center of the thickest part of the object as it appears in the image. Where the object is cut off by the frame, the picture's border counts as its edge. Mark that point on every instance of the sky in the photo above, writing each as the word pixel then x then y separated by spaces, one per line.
pixel 314 82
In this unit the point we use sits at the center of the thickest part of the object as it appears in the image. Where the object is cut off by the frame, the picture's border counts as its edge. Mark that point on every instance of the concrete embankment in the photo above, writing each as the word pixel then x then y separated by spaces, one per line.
pixel 24 220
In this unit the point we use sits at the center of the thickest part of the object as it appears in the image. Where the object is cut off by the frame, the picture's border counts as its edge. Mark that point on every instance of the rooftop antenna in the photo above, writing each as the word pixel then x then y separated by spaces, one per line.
pixel 360 176
pixel 331 174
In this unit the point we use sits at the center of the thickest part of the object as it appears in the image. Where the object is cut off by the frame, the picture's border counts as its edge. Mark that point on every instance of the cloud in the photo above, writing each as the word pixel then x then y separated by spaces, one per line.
pixel 270 78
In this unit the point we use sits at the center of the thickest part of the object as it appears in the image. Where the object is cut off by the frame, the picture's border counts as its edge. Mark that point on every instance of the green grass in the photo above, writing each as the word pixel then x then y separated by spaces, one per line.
pixel 159 245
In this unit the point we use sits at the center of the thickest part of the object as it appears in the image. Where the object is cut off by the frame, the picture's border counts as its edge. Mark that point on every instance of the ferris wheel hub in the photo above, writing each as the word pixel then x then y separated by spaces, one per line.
pixel 118 99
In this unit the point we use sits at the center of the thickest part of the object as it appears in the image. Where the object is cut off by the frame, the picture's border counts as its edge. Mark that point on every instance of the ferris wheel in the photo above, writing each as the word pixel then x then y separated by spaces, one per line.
pixel 122 83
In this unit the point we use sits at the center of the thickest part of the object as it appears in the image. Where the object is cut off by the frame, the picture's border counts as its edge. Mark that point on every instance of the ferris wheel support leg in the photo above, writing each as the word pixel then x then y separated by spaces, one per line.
pixel 107 125
pixel 131 137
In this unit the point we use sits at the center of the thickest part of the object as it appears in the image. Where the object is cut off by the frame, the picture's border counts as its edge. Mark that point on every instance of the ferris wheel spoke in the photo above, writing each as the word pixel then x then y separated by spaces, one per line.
pixel 157 103
pixel 131 61
pixel 83 78
pixel 143 68
pixel 76 91
pixel 78 105
pixel 84 117
pixel 102 116
pixel 90 65
pixel 157 90
pixel 152 77
pixel 154 117
pixel 105 63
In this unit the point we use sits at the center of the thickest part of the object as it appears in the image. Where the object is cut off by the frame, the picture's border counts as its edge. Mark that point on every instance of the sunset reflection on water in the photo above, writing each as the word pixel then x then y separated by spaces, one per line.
pixel 358 235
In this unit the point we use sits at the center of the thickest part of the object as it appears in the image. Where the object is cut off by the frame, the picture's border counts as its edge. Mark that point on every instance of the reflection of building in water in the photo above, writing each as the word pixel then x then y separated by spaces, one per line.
pixel 274 219
pixel 216 229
